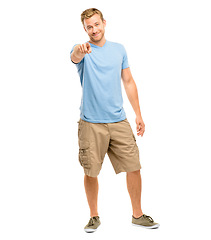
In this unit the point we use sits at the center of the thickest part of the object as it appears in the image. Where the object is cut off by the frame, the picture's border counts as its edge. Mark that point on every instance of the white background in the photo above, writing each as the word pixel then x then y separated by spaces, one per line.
pixel 41 180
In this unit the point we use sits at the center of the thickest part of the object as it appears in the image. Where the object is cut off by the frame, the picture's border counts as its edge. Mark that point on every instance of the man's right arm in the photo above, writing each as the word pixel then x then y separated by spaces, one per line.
pixel 80 51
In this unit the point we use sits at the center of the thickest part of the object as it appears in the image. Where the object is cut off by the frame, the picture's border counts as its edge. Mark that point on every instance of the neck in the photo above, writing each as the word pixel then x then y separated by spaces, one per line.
pixel 99 43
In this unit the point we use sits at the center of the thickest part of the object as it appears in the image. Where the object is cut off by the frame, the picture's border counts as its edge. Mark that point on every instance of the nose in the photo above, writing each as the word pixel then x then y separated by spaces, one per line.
pixel 94 30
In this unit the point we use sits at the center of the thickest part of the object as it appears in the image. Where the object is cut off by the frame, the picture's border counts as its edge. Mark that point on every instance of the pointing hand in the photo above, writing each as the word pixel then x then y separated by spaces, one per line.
pixel 85 48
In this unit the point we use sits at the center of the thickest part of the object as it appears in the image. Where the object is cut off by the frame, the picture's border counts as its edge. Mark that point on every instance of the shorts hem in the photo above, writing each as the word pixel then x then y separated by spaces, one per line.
pixel 89 174
pixel 129 169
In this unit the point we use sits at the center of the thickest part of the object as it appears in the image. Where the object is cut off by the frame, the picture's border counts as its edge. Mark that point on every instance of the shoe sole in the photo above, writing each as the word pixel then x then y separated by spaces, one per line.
pixel 89 230
pixel 150 227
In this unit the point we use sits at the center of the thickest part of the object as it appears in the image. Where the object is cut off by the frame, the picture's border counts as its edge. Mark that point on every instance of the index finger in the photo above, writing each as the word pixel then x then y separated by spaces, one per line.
pixel 89 49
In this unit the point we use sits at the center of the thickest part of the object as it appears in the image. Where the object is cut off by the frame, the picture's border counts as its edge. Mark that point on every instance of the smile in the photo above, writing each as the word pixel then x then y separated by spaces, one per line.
pixel 96 35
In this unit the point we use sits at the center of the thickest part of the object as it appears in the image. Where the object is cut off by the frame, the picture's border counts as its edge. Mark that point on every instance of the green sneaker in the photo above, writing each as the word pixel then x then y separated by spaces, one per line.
pixel 145 221
pixel 93 224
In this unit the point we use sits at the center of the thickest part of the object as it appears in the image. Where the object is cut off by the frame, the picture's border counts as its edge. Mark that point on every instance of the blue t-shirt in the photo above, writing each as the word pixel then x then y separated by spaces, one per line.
pixel 100 76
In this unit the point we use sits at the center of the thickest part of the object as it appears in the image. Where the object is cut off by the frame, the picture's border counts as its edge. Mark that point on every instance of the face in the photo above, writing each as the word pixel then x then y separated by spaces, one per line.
pixel 95 28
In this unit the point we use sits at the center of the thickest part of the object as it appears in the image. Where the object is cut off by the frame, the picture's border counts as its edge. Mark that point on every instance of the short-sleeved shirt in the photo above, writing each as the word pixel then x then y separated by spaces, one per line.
pixel 100 77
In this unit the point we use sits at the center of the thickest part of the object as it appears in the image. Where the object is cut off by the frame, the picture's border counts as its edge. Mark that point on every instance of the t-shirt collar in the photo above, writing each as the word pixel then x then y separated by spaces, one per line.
pixel 93 45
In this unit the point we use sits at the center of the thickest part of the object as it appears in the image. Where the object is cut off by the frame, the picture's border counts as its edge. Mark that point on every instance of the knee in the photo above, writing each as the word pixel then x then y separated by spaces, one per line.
pixel 88 178
pixel 137 172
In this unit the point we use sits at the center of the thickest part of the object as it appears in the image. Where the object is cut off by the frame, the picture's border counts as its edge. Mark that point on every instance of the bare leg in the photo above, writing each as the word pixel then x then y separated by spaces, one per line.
pixel 91 188
pixel 134 189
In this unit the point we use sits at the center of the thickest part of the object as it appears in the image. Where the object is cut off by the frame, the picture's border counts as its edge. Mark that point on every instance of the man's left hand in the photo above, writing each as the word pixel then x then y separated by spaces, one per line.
pixel 140 126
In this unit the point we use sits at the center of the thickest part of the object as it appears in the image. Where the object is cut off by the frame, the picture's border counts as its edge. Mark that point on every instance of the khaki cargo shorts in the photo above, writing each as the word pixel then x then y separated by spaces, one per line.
pixel 115 139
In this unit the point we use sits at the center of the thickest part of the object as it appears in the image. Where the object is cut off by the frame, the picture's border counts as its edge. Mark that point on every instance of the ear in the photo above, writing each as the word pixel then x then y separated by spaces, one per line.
pixel 104 22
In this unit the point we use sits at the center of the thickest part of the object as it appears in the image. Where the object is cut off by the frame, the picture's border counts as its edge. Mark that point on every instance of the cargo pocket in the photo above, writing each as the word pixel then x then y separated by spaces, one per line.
pixel 84 154
pixel 135 148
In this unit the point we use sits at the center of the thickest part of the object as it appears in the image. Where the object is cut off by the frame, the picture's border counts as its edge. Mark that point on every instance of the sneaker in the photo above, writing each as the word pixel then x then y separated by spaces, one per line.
pixel 93 224
pixel 144 221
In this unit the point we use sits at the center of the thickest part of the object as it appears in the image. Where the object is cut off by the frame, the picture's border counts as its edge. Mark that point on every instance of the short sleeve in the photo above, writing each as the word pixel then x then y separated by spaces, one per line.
pixel 72 48
pixel 125 63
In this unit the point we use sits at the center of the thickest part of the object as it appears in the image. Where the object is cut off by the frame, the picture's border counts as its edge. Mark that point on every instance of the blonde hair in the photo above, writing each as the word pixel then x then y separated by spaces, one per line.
pixel 88 13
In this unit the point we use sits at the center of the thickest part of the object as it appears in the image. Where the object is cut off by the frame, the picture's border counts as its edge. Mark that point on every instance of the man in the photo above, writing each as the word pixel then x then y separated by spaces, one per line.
pixel 103 126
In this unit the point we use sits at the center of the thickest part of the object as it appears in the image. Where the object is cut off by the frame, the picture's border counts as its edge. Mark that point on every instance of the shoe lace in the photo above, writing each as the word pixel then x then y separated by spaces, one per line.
pixel 148 218
pixel 91 221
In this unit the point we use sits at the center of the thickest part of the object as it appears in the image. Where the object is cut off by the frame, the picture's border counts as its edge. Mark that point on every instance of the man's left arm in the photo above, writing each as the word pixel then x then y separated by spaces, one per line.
pixel 132 94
